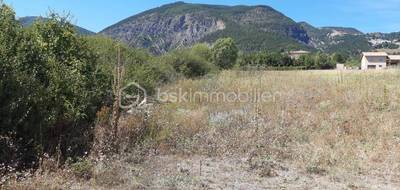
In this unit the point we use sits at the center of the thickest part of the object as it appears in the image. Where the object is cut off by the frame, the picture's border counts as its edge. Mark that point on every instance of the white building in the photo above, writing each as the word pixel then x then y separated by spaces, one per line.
pixel 297 54
pixel 374 60
pixel 340 66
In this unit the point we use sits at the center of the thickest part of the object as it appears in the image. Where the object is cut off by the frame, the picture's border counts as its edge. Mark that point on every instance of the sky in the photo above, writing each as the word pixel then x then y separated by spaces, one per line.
pixel 95 15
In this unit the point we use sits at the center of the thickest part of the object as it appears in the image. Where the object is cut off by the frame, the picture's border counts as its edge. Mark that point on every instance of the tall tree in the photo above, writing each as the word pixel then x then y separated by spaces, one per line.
pixel 224 53
pixel 48 88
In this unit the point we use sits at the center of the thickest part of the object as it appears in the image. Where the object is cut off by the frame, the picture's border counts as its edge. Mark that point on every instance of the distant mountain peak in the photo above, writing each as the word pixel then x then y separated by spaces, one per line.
pixel 178 3
pixel 254 28
pixel 29 20
pixel 183 24
pixel 347 30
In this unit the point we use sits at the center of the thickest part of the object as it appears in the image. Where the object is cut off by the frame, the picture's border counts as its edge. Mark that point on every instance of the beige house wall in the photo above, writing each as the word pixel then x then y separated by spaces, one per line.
pixel 378 62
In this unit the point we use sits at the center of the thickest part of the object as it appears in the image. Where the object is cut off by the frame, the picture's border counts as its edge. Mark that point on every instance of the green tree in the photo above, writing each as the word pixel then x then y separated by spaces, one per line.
pixel 202 50
pixel 323 61
pixel 307 61
pixel 50 89
pixel 224 53
pixel 188 62
pixel 339 58
pixel 12 92
pixel 139 65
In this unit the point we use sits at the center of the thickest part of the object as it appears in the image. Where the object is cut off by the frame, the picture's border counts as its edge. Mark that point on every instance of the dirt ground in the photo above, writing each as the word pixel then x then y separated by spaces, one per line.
pixel 197 172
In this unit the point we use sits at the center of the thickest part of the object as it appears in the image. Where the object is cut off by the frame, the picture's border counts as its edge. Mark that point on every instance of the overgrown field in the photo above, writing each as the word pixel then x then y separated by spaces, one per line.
pixel 314 130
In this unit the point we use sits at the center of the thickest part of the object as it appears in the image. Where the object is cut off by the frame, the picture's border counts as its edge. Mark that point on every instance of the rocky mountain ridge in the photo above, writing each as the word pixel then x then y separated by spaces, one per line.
pixel 254 28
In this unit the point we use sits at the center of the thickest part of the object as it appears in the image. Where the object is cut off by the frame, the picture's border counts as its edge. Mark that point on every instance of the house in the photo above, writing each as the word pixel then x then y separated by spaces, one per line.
pixel 374 60
pixel 379 60
pixel 297 54
pixel 393 61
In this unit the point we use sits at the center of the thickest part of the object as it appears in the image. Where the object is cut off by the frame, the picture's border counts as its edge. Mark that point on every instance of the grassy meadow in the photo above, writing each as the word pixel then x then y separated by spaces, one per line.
pixel 318 129
pixel 323 120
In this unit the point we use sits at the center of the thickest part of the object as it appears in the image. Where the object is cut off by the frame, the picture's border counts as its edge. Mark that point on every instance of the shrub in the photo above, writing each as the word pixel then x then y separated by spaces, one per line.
pixel 83 168
pixel 150 75
pixel 202 50
pixel 189 62
pixel 50 88
pixel 224 53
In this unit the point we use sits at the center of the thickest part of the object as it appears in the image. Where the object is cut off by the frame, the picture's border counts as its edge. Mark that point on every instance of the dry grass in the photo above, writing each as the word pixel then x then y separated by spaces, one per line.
pixel 322 122
pixel 318 119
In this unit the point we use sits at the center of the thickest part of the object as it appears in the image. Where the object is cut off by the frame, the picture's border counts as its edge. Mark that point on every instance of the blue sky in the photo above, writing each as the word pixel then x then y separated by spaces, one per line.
pixel 95 15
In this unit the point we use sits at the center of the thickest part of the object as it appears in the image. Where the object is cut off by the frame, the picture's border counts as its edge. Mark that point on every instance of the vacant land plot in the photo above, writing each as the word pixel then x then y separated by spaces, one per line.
pixel 312 130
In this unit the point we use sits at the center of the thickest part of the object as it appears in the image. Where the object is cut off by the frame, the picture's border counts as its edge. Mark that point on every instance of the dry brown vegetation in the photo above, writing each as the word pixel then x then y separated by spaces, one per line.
pixel 319 130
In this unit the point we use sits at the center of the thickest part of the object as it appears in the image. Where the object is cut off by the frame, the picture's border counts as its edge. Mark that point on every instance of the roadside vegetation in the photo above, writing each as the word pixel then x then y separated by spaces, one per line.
pixel 57 113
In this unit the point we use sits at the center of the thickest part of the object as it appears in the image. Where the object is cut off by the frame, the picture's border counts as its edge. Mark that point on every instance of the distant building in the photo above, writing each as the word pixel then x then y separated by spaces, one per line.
pixel 393 61
pixel 340 66
pixel 379 60
pixel 297 54
pixel 374 60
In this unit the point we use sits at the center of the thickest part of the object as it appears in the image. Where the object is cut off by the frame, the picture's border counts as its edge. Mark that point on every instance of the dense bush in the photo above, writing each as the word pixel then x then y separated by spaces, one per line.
pixel 150 75
pixel 191 62
pixel 224 53
pixel 139 65
pixel 50 89
pixel 353 62
pixel 339 58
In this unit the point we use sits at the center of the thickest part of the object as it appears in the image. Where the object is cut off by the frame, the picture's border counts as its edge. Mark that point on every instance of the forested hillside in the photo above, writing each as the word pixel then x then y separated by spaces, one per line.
pixel 348 41
pixel 180 25
pixel 254 28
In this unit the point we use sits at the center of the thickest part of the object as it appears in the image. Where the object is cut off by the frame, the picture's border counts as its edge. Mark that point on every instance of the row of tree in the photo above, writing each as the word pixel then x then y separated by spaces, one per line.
pixel 269 60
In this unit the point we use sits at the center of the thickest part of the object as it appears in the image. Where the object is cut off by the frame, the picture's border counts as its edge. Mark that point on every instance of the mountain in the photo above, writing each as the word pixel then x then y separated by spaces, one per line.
pixel 386 41
pixel 349 41
pixel 254 28
pixel 29 20
pixel 342 30
pixel 181 24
